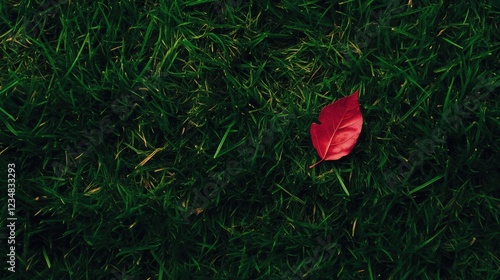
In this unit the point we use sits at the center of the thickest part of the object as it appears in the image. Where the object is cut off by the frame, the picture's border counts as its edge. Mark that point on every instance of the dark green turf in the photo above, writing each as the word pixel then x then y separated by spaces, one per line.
pixel 170 140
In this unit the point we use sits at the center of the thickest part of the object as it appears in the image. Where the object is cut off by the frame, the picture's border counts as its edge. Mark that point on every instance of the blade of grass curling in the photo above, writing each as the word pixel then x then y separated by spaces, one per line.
pixel 426 184
pixel 223 139
pixel 341 182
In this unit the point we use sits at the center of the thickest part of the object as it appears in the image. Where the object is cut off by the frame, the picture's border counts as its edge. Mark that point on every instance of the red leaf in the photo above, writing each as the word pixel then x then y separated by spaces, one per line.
pixel 338 130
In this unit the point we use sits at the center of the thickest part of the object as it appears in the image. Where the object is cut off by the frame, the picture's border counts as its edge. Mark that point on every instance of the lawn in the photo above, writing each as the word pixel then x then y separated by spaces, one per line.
pixel 170 140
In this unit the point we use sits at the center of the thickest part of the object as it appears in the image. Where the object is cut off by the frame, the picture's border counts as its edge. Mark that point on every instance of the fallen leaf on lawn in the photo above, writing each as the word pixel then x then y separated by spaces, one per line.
pixel 338 129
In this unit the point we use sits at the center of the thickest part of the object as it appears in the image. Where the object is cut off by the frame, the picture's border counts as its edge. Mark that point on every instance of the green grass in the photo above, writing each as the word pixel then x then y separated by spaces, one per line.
pixel 170 139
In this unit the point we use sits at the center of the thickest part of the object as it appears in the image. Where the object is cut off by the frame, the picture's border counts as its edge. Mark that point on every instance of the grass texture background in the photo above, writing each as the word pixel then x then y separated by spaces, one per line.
pixel 170 139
